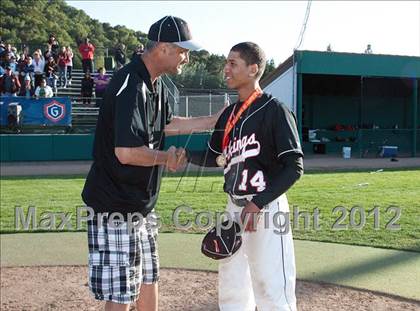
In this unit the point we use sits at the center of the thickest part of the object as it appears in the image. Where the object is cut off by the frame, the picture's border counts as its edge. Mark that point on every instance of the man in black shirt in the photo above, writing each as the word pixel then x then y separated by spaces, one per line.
pixel 257 143
pixel 125 176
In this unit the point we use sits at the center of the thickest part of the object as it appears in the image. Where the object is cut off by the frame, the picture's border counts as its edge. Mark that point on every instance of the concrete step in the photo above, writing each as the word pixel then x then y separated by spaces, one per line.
pixel 70 92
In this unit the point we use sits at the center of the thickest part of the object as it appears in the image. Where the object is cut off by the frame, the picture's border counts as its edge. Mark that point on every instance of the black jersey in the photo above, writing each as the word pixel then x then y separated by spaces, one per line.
pixel 264 134
pixel 134 114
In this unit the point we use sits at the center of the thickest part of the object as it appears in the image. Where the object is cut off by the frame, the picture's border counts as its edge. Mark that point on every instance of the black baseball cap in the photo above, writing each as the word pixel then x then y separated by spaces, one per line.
pixel 174 30
pixel 222 243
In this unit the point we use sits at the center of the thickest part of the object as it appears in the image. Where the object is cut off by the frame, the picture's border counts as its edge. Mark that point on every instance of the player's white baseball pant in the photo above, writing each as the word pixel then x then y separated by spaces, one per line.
pixel 262 273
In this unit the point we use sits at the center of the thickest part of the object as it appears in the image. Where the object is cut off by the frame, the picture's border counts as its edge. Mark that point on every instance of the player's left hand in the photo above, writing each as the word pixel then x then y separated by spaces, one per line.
pixel 253 217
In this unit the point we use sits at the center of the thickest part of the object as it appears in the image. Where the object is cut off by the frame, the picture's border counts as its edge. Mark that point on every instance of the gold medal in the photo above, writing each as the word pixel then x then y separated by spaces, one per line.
pixel 221 160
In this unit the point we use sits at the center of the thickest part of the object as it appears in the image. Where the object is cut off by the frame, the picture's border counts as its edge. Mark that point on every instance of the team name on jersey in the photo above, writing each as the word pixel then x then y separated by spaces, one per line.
pixel 239 150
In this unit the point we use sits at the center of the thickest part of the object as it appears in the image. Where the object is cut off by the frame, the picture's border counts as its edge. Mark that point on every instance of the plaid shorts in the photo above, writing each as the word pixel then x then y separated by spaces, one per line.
pixel 121 259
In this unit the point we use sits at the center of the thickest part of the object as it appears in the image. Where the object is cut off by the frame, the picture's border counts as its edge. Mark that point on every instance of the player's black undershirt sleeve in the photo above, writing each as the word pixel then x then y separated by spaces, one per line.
pixel 205 158
pixel 289 170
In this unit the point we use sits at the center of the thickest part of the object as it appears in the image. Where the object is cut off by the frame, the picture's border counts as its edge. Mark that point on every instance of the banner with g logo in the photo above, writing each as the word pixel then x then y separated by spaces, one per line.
pixel 54 111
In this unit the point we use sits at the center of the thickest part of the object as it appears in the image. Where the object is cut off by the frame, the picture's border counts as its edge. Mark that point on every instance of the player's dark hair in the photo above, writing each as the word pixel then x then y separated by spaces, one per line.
pixel 252 54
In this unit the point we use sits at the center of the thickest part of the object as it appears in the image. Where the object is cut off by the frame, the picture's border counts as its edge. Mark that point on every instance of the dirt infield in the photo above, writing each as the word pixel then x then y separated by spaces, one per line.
pixel 65 288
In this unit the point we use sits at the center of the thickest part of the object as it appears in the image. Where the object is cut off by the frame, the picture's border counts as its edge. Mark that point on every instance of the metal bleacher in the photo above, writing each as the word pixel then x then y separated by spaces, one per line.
pixel 84 116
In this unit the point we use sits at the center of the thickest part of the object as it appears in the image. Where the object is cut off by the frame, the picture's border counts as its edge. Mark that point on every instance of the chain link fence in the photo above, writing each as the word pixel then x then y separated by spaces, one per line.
pixel 202 105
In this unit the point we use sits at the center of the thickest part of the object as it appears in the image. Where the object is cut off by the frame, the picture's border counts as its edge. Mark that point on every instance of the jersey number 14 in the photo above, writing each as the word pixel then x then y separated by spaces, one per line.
pixel 257 181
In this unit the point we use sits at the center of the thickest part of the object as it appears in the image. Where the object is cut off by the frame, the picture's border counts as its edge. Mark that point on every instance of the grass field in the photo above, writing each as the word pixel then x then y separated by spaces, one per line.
pixel 364 218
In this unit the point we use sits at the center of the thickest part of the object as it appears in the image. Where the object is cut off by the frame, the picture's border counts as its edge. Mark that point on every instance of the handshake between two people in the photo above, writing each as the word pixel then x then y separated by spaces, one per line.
pixel 177 159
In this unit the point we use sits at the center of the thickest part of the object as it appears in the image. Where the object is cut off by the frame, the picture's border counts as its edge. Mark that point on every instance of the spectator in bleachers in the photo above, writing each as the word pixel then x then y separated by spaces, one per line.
pixel 9 83
pixel 119 56
pixel 43 90
pixel 70 55
pixel 62 68
pixel 137 51
pixel 101 82
pixel 51 73
pixel 28 69
pixel 39 65
pixel 2 53
pixel 9 52
pixel 39 52
pixel 27 87
pixel 2 47
pixel 87 88
pixel 26 74
pixel 25 53
pixel 15 52
pixel 7 59
pixel 48 52
pixel 55 47
pixel 87 51
pixel 2 71
pixel 21 63
pixel 13 64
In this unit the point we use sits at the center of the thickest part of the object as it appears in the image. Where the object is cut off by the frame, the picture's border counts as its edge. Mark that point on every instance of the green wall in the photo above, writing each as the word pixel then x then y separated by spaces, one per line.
pixel 54 147
pixel 48 147
pixel 325 111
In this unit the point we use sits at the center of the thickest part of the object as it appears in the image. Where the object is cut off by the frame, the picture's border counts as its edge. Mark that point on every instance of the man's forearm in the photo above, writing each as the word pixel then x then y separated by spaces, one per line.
pixel 180 126
pixel 141 156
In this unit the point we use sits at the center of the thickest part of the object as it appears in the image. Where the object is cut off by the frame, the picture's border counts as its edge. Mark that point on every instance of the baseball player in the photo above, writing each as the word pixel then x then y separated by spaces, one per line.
pixel 256 142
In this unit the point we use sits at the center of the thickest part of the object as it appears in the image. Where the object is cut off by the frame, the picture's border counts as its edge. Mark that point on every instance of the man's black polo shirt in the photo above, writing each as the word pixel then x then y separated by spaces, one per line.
pixel 134 114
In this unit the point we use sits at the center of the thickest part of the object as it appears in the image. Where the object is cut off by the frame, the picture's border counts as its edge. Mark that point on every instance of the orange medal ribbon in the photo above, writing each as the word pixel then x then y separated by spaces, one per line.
pixel 233 119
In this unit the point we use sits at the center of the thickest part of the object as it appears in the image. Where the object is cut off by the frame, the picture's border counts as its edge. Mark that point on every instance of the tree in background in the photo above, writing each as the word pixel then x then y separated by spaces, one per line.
pixel 29 22
pixel 205 71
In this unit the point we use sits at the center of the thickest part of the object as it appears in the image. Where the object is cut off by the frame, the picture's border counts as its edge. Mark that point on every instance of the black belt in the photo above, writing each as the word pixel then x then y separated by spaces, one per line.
pixel 239 202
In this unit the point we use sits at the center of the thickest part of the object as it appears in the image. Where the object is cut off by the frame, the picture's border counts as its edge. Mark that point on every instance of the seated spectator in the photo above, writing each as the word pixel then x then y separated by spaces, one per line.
pixel 9 51
pixel 26 75
pixel 70 55
pixel 39 65
pixel 119 56
pixel 87 51
pixel 9 83
pixel 28 69
pixel 43 90
pixel 21 63
pixel 2 71
pixel 87 88
pixel 13 64
pixel 101 82
pixel 62 67
pixel 51 73
pixel 27 87
pixel 138 50
pixel 5 60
